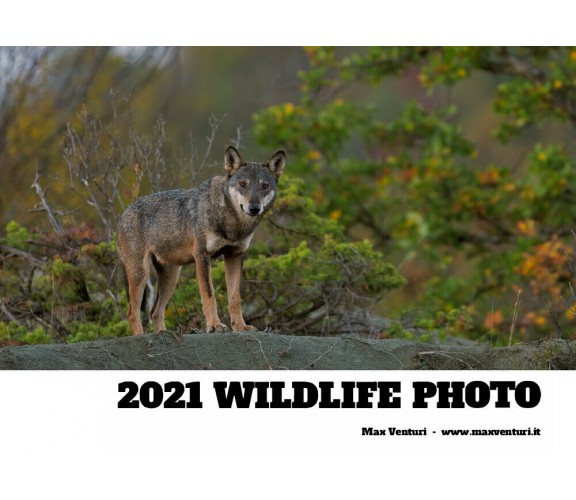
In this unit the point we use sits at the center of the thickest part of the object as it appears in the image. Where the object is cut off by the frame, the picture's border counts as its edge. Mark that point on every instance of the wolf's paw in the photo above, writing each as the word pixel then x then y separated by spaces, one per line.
pixel 217 327
pixel 243 328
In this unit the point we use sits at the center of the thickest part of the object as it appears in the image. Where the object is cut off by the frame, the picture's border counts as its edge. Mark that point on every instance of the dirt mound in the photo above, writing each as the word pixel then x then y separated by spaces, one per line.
pixel 270 351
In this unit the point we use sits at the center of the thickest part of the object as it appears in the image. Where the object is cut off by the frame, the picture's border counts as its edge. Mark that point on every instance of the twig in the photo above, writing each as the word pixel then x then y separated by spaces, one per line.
pixel 42 195
pixel 321 355
pixel 215 124
pixel 172 351
pixel 239 134
pixel 547 302
pixel 268 365
pixel 7 312
pixel 492 321
pixel 379 350
pixel 119 310
pixel 21 253
pixel 447 355
pixel 514 317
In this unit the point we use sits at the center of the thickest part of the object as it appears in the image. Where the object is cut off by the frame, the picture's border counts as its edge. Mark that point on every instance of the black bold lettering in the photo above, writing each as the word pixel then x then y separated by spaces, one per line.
pixel 527 394
pixel 194 395
pixel 305 395
pixel 450 390
pixel 277 400
pixel 348 399
pixel 151 394
pixel 240 394
pixel 502 388
pixel 477 394
pixel 387 390
pixel 129 400
pixel 175 399
pixel 423 391
pixel 365 390
pixel 326 400
pixel 261 395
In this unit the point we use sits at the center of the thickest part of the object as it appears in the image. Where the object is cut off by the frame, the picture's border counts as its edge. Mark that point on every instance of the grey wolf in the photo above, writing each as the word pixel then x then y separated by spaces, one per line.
pixel 169 229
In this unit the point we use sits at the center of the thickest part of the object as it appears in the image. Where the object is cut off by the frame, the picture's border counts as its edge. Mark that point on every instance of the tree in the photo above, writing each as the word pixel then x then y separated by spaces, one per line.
pixel 492 240
pixel 42 90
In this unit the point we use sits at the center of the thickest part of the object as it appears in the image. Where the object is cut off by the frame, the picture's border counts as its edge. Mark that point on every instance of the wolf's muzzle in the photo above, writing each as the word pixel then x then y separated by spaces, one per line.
pixel 254 208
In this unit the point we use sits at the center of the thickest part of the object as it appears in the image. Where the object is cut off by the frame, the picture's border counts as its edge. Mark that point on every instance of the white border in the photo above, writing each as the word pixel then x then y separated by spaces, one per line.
pixel 63 434
pixel 259 22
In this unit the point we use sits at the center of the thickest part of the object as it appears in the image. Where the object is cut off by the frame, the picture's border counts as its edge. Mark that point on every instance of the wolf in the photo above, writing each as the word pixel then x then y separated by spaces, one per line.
pixel 169 229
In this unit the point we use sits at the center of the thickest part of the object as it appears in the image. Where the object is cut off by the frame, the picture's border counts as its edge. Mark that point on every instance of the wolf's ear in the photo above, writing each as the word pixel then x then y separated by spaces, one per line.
pixel 232 161
pixel 276 163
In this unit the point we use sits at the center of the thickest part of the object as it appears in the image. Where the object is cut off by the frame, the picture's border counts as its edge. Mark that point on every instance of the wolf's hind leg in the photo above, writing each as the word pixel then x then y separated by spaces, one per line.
pixel 137 275
pixel 168 275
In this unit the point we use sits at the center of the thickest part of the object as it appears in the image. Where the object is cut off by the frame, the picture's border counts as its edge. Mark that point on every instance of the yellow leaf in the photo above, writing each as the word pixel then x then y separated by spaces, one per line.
pixel 384 181
pixel 336 214
pixel 424 80
pixel 526 227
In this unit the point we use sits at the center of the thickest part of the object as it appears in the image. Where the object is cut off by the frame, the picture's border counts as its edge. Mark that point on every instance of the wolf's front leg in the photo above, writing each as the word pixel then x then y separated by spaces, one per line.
pixel 233 268
pixel 204 277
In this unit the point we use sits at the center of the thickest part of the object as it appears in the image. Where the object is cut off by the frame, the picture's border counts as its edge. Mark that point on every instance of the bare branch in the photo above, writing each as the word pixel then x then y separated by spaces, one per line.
pixel 51 216
pixel 7 312
pixel 21 253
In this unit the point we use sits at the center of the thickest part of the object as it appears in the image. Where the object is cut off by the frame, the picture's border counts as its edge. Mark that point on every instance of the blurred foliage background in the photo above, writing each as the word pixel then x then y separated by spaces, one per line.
pixel 430 186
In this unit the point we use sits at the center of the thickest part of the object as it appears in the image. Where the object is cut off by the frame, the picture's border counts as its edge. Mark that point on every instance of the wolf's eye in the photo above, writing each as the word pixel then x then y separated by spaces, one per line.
pixel 265 185
pixel 243 184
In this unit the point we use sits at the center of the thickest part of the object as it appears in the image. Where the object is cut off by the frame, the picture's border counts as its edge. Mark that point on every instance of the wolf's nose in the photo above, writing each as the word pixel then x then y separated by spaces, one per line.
pixel 254 209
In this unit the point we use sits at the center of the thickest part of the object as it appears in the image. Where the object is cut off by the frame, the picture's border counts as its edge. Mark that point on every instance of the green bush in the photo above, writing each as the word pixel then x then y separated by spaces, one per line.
pixel 300 276
pixel 17 236
pixel 14 333
pixel 472 231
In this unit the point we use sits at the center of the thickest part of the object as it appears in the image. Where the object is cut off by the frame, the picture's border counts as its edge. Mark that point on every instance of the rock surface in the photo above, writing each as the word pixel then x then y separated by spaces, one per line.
pixel 271 351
